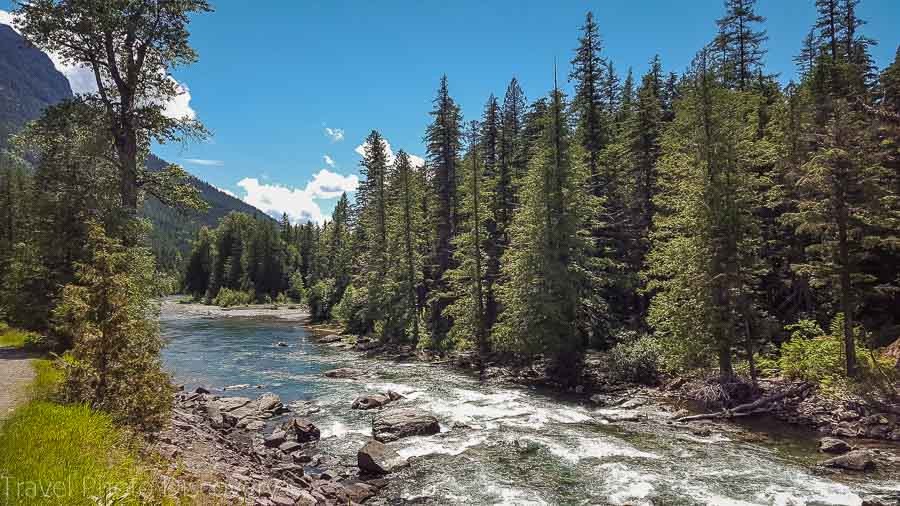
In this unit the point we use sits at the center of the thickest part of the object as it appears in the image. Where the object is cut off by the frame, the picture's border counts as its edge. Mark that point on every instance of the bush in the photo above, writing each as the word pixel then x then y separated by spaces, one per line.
pixel 228 297
pixel 815 356
pixel 635 359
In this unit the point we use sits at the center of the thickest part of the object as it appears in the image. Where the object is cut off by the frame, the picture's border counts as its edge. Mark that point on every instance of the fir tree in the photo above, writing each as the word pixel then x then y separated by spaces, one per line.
pixel 740 43
pixel 443 145
pixel 587 72
pixel 467 280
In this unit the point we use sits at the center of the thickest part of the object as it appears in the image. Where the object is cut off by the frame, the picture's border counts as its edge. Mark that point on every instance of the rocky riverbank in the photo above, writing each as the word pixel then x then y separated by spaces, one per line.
pixel 255 451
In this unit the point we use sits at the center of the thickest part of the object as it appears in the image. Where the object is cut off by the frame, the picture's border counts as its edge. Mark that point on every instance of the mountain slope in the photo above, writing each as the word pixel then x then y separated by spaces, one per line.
pixel 29 82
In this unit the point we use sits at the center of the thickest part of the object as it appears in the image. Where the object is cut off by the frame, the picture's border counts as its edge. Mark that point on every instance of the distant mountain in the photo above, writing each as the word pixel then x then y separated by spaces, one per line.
pixel 29 82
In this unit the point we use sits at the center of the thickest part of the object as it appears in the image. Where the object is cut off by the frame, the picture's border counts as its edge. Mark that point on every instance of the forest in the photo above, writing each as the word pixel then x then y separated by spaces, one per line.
pixel 698 220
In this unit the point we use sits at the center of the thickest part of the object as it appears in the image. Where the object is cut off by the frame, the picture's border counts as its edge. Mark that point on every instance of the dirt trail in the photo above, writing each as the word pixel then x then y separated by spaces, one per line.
pixel 15 375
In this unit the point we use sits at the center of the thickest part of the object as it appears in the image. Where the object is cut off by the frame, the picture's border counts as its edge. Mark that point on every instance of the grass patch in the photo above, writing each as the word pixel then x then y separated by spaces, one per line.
pixel 14 338
pixel 47 379
pixel 55 454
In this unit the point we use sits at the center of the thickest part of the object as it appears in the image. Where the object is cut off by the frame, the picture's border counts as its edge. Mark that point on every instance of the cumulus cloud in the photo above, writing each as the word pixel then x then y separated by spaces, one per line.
pixel 300 204
pixel 335 134
pixel 204 162
pixel 328 160
pixel 416 161
pixel 82 80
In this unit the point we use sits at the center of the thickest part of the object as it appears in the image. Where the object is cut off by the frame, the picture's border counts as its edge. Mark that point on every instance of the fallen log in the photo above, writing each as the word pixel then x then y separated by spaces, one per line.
pixel 756 407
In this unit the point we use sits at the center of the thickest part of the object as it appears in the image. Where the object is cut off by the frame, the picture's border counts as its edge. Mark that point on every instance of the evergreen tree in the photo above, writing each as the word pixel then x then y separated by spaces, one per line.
pixel 494 205
pixel 704 253
pixel 443 145
pixel 513 159
pixel 740 43
pixel 587 72
pixel 406 246
pixel 467 279
pixel 545 263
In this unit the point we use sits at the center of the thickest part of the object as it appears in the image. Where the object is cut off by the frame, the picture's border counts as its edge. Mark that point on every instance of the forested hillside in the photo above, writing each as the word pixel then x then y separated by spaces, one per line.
pixel 685 221
pixel 29 83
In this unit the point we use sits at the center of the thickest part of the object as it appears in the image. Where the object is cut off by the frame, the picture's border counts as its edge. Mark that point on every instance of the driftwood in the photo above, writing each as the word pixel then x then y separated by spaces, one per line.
pixel 756 407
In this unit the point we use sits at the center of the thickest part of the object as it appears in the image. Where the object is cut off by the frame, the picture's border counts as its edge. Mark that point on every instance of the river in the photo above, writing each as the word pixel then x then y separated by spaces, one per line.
pixel 505 445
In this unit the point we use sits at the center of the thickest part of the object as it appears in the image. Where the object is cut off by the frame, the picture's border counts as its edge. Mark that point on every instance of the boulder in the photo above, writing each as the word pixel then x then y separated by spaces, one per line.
pixel 857 460
pixel 376 458
pixel 344 373
pixel 370 401
pixel 289 446
pixel 366 345
pixel 202 390
pixel 226 404
pixel 268 402
pixel 394 395
pixel 331 338
pixel 833 445
pixel 281 344
pixel 302 430
pixel 275 439
pixel 398 423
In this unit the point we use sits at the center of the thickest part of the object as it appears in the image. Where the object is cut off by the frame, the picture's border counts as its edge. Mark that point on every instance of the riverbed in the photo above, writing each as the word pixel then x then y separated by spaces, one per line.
pixel 501 444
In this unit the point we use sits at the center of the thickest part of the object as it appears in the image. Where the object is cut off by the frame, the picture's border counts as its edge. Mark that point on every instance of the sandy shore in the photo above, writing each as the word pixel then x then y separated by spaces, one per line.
pixel 292 312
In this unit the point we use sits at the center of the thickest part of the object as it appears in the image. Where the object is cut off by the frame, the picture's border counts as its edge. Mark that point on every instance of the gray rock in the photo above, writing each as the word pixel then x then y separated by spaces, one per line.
pixel 398 423
pixel 331 338
pixel 376 458
pixel 275 439
pixel 201 390
pixel 857 460
pixel 268 402
pixel 302 430
pixel 281 344
pixel 833 445
pixel 370 401
pixel 289 446
pixel 255 425
pixel 599 399
pixel 226 404
pixel 344 373
pixel 394 395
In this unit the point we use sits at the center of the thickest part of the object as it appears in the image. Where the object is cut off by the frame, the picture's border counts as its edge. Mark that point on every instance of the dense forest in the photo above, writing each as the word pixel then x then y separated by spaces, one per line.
pixel 702 217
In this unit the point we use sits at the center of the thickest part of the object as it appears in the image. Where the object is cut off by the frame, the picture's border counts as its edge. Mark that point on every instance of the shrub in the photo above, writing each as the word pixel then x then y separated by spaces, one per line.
pixel 635 358
pixel 112 320
pixel 228 297
pixel 816 356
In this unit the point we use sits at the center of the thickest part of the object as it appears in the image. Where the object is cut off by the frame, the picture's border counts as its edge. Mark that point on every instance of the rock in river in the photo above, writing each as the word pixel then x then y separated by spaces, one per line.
pixel 269 402
pixel 833 445
pixel 302 430
pixel 371 401
pixel 377 458
pixel 399 423
pixel 858 460
pixel 344 373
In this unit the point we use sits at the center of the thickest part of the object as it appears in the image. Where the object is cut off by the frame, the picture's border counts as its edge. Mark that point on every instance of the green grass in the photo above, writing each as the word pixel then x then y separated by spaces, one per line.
pixel 10 337
pixel 56 454
pixel 46 380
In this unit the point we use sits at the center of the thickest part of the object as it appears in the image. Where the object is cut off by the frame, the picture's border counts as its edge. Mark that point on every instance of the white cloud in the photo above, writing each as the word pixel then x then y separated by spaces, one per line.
pixel 328 185
pixel 336 134
pixel 300 204
pixel 416 161
pixel 82 80
pixel 328 160
pixel 204 162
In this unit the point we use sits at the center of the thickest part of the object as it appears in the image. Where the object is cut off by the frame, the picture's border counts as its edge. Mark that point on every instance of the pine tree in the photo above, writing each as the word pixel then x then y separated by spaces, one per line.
pixel 513 159
pixel 587 72
pixel 443 145
pixel 809 52
pixel 407 241
pixel 495 204
pixel 545 263
pixel 740 43
pixel 468 282
pixel 705 250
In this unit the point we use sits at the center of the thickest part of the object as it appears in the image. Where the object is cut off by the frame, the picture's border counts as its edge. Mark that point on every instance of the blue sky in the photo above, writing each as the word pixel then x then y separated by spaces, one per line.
pixel 273 76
